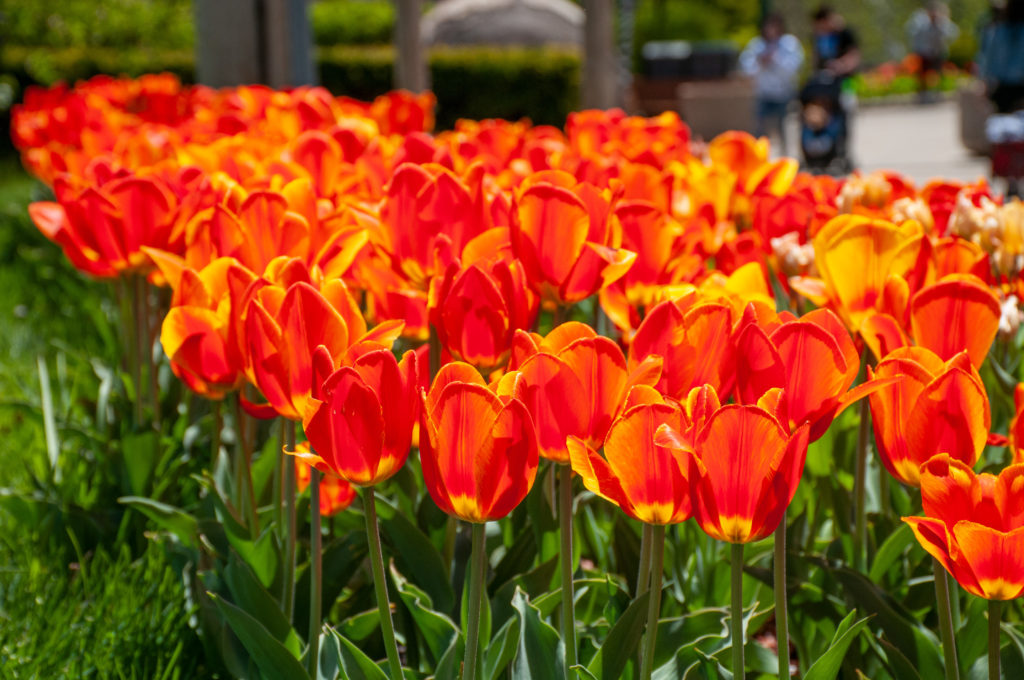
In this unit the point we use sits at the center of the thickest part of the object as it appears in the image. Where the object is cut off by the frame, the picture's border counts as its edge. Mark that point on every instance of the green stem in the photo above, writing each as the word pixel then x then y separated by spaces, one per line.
pixel 244 468
pixel 451 532
pixel 736 619
pixel 478 572
pixel 149 339
pixel 994 615
pixel 316 575
pixel 568 598
pixel 945 621
pixel 278 488
pixel 218 425
pixel 379 584
pixel 137 348
pixel 657 543
pixel 288 596
pixel 644 574
pixel 860 532
pixel 781 601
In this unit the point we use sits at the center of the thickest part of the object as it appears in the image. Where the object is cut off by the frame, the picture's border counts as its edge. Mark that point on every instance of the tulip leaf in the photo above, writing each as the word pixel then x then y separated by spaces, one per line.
pixel 437 630
pixel 250 595
pixel 972 638
pixel 894 546
pixel 450 665
pixel 351 663
pixel 534 581
pixel 502 648
pixel 271 657
pixel 827 666
pixel 341 560
pixel 175 520
pixel 416 555
pixel 620 645
pixel 919 646
pixel 140 453
pixel 541 653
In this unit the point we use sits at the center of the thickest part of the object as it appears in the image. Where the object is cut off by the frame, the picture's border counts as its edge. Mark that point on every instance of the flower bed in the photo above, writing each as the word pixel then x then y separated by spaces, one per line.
pixel 463 350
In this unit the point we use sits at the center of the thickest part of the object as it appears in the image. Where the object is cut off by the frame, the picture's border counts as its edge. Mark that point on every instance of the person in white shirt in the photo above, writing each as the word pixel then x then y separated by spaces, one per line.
pixel 773 59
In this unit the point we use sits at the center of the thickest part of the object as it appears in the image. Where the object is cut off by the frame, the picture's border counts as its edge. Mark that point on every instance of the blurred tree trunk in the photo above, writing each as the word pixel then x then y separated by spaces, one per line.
pixel 600 86
pixel 410 61
pixel 253 41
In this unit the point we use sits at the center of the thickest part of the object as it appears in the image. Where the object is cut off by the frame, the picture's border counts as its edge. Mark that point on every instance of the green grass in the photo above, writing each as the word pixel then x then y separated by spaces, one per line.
pixel 83 593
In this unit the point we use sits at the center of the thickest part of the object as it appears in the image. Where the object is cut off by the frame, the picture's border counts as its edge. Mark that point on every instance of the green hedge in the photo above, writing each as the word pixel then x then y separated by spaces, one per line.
pixel 477 82
pixel 343 22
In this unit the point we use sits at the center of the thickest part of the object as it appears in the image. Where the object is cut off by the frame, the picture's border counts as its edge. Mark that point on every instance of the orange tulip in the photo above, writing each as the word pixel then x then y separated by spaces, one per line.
pixel 812 359
pixel 574 365
pixel 974 525
pixel 647 480
pixel 745 466
pixel 566 237
pixel 931 407
pixel 361 425
pixel 694 338
pixel 477 308
pixel 198 334
pixel 307 335
pixel 335 493
pixel 478 451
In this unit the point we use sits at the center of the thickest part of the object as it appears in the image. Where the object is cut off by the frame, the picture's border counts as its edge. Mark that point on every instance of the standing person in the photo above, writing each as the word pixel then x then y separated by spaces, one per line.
pixel 1001 59
pixel 836 59
pixel 930 31
pixel 835 45
pixel 773 59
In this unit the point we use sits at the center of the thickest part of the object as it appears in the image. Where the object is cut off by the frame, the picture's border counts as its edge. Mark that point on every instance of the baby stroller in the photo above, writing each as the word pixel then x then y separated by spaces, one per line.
pixel 823 125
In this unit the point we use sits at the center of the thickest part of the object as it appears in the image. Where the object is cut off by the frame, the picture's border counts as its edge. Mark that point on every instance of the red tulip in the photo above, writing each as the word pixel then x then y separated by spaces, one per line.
pixel 574 365
pixel 974 525
pixel 477 308
pixel 478 451
pixel 307 335
pixel 930 407
pixel 567 238
pixel 647 480
pixel 361 425
pixel 745 466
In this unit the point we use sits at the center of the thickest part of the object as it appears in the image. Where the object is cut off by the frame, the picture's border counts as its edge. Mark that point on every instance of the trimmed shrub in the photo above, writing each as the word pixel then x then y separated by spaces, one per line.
pixel 343 22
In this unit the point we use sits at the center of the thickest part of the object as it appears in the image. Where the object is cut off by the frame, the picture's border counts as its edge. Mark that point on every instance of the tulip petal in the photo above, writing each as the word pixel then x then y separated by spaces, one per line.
pixel 996 558
pixel 955 314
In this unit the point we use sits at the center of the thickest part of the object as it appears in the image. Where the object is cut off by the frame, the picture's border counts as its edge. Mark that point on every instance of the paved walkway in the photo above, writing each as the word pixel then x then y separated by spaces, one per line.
pixel 920 141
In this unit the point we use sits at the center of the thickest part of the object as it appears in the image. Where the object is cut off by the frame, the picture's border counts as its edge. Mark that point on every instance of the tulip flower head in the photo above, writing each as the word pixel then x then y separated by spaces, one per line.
pixel 931 407
pixel 361 425
pixel 478 450
pixel 974 525
pixel 744 468
pixel 646 479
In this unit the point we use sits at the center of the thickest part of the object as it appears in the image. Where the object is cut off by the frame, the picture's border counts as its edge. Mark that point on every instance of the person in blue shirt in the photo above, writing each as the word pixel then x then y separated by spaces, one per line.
pixel 1001 58
pixel 773 59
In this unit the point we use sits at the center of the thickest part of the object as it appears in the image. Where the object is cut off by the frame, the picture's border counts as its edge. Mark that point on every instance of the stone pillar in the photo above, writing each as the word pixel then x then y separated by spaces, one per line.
pixel 410 58
pixel 600 68
pixel 241 42
pixel 288 43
